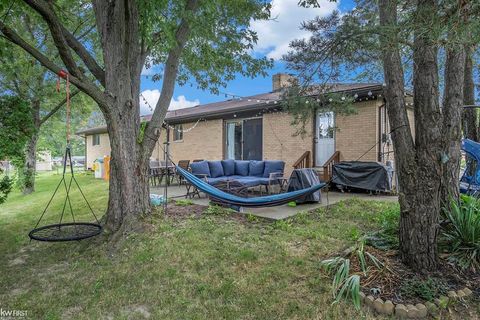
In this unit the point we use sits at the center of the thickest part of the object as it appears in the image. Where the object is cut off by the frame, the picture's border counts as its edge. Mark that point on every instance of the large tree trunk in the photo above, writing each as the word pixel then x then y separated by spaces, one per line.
pixel 418 165
pixel 29 167
pixel 129 190
pixel 29 170
pixel 452 123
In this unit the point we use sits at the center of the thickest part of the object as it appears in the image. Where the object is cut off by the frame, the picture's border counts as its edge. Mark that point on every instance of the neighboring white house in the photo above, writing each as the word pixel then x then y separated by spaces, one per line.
pixel 44 161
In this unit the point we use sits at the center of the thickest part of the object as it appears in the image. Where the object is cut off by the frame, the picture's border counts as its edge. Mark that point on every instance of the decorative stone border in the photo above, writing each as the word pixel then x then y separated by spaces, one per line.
pixel 410 311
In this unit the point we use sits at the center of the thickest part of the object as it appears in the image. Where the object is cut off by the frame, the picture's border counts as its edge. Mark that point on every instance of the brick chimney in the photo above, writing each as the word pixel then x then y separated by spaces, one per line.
pixel 282 80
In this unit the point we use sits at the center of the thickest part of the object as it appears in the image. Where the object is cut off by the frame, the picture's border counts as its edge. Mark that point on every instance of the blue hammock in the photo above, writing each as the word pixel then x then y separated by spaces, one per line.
pixel 266 201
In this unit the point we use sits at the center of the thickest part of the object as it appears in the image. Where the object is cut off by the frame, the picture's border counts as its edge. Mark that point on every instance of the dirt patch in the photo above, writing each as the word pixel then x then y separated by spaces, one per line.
pixel 137 312
pixel 196 211
pixel 184 212
pixel 396 282
pixel 72 313
pixel 21 260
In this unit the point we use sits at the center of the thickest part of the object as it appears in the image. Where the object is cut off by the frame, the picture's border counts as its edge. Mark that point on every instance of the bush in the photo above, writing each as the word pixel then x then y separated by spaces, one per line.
pixel 5 187
pixel 461 236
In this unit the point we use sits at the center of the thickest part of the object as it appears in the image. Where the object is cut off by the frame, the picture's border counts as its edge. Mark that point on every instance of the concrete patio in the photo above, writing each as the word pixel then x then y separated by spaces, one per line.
pixel 280 212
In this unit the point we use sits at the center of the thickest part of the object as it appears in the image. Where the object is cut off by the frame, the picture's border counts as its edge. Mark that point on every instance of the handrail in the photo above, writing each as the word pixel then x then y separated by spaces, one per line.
pixel 303 161
pixel 328 166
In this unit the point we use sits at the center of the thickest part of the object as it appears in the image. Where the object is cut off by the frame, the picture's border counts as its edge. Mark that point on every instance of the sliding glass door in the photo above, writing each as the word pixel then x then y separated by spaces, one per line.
pixel 243 139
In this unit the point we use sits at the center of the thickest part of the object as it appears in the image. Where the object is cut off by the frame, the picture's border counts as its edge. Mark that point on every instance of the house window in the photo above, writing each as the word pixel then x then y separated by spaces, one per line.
pixel 243 139
pixel 96 140
pixel 178 132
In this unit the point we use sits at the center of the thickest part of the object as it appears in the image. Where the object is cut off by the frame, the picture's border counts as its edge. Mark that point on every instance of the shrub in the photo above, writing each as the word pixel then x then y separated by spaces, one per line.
pixel 5 187
pixel 461 236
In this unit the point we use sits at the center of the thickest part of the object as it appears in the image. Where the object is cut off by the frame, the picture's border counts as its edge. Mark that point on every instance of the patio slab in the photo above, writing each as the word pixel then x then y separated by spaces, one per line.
pixel 279 212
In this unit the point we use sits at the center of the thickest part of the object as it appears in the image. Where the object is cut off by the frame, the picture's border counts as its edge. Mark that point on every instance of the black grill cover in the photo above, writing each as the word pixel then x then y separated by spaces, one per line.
pixel 371 176
pixel 304 178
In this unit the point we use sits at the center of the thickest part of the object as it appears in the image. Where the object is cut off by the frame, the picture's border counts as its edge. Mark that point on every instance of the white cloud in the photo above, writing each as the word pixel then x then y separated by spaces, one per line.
pixel 275 35
pixel 152 97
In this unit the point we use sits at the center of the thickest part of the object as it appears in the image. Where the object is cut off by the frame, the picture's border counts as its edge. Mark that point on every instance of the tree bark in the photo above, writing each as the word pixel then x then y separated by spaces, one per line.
pixel 117 23
pixel 29 169
pixel 470 115
pixel 452 123
pixel 417 165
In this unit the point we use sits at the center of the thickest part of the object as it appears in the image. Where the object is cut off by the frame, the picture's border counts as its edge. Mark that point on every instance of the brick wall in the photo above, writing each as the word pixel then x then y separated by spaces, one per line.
pixel 98 151
pixel 203 142
pixel 356 133
pixel 280 141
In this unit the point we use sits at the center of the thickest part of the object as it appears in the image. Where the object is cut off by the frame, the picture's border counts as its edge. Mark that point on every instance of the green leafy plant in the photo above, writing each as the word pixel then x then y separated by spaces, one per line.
pixel 215 210
pixel 461 236
pixel 251 218
pixel 345 283
pixel 6 184
pixel 428 289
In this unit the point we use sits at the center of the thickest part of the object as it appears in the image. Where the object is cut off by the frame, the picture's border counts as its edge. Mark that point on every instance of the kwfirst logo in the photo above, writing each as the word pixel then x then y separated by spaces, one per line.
pixel 8 314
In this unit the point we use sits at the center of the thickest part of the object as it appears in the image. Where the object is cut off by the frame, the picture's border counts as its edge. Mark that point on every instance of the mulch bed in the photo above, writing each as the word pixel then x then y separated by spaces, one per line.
pixel 391 279
pixel 181 212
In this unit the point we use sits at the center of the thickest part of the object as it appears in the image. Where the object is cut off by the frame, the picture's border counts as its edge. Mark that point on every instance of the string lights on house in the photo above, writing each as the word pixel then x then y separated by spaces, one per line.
pixel 169 126
pixel 356 98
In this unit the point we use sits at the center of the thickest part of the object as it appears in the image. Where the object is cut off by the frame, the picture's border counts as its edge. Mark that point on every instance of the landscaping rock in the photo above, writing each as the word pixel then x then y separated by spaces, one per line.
pixel 432 308
pixel 467 291
pixel 378 305
pixel 461 294
pixel 369 301
pixel 452 294
pixel 412 311
pixel 388 308
pixel 401 311
pixel 362 296
pixel 441 302
pixel 422 310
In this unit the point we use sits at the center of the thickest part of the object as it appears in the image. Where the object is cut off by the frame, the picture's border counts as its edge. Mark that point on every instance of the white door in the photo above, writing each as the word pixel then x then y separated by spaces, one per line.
pixel 325 146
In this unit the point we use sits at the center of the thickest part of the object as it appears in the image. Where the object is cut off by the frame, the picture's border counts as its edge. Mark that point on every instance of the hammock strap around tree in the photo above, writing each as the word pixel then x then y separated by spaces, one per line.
pixel 265 201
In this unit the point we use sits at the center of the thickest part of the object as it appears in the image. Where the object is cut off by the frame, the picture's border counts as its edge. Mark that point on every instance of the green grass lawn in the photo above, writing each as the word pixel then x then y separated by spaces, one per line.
pixel 213 267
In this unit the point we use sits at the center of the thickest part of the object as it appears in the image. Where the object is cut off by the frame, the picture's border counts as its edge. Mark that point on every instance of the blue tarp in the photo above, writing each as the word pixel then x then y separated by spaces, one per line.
pixel 470 180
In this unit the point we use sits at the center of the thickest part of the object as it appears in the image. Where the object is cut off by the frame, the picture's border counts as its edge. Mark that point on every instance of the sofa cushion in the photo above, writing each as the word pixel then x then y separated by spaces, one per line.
pixel 200 168
pixel 273 166
pixel 214 181
pixel 228 167
pixel 256 168
pixel 249 181
pixel 241 167
pixel 216 169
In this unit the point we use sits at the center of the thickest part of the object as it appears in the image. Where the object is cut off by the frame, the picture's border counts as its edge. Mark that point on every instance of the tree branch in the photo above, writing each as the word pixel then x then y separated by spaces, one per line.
pixel 57 107
pixel 56 30
pixel 86 87
pixel 152 131
pixel 86 57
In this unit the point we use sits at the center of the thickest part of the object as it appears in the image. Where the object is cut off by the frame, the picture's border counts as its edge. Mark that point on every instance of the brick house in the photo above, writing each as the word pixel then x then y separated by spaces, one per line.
pixel 256 128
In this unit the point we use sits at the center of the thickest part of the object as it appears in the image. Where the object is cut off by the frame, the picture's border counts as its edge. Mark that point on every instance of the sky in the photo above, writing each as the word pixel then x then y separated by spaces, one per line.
pixel 273 39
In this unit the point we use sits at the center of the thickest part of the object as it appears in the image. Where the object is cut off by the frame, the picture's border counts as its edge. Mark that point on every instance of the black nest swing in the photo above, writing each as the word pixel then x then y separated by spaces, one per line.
pixel 66 231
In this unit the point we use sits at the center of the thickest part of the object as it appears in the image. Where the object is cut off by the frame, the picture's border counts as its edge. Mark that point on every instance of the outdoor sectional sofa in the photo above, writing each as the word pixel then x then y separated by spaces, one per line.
pixel 250 173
